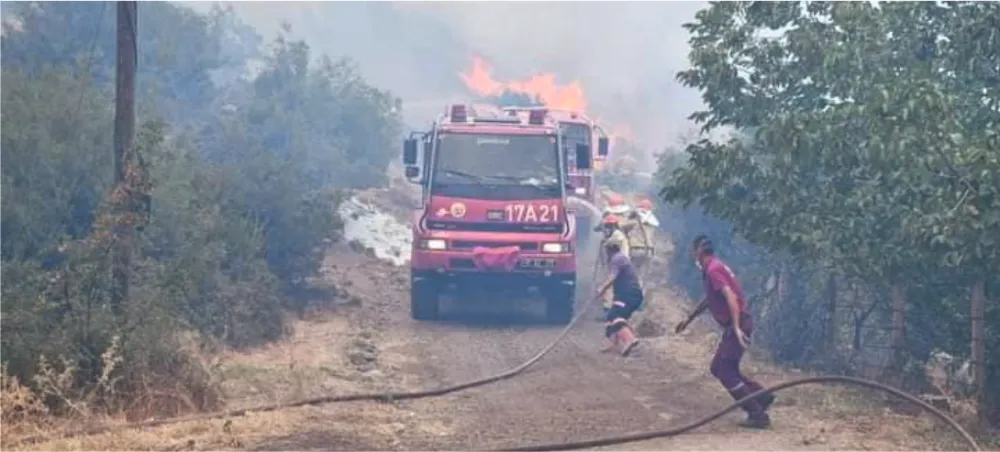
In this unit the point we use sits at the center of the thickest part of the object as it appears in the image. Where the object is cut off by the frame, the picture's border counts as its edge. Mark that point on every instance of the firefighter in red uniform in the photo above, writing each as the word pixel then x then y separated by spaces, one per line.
pixel 725 299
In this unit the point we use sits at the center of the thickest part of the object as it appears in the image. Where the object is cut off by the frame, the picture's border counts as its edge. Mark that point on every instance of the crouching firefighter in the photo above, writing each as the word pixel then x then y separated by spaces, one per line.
pixel 612 233
pixel 626 296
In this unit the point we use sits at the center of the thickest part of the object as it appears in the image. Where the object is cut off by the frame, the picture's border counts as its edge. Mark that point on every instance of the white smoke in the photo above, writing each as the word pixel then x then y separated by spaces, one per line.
pixel 625 54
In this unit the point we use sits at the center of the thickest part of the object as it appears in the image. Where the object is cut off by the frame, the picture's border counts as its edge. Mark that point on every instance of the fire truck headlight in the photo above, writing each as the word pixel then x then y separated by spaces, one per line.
pixel 554 248
pixel 581 191
pixel 433 244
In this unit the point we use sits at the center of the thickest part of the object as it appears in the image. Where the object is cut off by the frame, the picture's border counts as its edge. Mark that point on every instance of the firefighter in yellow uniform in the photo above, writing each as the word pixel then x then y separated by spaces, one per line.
pixel 612 233
pixel 639 227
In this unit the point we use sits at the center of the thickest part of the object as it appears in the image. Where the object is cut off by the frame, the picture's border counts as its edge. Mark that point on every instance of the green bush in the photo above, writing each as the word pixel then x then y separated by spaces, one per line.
pixel 245 181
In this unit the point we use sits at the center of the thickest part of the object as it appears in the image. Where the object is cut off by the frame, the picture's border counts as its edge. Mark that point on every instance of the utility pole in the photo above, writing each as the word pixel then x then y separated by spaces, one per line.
pixel 124 137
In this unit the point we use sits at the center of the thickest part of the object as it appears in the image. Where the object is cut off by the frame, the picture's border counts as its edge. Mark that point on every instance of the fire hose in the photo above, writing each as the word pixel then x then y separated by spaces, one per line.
pixel 622 439
pixel 394 396
pixel 608 441
pixel 380 396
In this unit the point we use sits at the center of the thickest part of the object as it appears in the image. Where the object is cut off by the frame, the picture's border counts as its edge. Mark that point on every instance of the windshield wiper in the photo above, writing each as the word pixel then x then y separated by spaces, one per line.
pixel 468 176
pixel 521 180
pixel 532 181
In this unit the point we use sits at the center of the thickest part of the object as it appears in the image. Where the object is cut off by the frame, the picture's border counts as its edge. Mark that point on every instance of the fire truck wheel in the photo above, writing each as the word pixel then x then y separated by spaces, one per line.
pixel 423 302
pixel 559 307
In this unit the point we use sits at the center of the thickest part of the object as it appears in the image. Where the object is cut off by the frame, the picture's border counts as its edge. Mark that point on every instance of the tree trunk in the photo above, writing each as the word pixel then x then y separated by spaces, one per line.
pixel 830 345
pixel 897 298
pixel 124 135
pixel 978 362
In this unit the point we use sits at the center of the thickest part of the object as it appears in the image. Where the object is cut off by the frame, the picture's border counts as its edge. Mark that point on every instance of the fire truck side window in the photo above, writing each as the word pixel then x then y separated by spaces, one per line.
pixel 574 134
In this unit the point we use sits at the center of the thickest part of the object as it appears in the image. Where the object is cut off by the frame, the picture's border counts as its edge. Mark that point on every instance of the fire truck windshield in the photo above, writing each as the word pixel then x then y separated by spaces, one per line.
pixel 489 166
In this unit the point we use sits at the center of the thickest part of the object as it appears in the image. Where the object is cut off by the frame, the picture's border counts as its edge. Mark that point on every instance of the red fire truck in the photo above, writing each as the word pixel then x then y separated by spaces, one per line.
pixel 577 129
pixel 493 223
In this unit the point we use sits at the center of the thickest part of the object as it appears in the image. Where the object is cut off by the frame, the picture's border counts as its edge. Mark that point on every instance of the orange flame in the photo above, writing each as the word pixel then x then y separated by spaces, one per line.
pixel 541 86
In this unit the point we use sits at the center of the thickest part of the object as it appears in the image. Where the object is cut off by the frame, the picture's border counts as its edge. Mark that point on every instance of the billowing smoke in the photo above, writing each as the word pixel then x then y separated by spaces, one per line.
pixel 624 55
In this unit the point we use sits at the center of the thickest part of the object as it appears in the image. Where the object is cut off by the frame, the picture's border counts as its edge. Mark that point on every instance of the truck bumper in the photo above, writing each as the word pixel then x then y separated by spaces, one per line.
pixel 490 286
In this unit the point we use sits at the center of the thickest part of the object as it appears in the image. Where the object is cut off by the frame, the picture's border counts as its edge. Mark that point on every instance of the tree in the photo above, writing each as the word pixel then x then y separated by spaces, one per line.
pixel 872 143
pixel 245 172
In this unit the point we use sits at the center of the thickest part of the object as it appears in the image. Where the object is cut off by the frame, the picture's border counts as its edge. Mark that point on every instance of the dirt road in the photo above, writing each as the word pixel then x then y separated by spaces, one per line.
pixel 370 343
pixel 576 392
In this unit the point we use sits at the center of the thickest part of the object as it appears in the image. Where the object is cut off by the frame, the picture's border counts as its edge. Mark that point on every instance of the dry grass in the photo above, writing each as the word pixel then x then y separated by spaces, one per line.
pixel 824 417
pixel 353 426
pixel 309 363
pixel 314 361
pixel 317 360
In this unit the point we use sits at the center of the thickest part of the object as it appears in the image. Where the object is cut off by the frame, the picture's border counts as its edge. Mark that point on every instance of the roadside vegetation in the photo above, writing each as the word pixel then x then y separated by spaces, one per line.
pixel 861 179
pixel 245 145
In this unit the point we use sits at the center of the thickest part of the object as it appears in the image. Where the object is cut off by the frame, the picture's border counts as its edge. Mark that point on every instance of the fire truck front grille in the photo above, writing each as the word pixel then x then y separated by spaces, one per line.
pixel 494 226
pixel 468 245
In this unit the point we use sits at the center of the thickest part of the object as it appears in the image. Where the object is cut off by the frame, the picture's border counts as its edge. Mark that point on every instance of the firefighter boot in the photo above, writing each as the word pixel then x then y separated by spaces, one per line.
pixel 757 417
pixel 627 340
pixel 765 400
pixel 759 420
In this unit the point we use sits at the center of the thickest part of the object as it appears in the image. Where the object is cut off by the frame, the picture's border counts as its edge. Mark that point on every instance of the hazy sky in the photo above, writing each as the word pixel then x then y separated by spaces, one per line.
pixel 624 54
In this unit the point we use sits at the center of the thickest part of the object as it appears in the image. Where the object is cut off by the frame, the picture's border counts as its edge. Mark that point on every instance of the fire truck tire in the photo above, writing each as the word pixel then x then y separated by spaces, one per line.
pixel 560 306
pixel 424 302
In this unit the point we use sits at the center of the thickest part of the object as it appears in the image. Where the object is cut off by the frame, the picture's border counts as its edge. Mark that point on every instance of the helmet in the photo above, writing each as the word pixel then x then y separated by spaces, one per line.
pixel 616 205
pixel 645 204
pixel 610 220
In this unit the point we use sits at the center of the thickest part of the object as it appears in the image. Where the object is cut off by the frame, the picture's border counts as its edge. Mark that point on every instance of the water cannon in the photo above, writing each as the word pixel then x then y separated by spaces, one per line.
pixel 537 117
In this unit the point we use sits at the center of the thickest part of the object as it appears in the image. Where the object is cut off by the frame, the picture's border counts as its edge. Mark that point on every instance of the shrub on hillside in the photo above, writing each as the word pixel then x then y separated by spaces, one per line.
pixel 240 210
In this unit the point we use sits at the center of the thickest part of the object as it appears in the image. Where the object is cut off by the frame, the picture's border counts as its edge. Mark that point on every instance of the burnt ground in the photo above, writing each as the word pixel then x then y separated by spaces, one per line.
pixel 369 342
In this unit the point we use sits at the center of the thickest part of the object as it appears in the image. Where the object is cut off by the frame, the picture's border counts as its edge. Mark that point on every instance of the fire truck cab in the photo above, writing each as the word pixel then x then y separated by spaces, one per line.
pixel 577 129
pixel 493 223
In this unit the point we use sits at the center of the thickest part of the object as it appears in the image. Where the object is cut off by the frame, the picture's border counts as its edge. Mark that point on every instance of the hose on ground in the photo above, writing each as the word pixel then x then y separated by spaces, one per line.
pixel 380 396
pixel 622 439
pixel 392 396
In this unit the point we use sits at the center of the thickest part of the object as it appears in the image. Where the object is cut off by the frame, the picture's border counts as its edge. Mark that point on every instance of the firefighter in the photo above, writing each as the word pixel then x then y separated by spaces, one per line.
pixel 627 297
pixel 646 223
pixel 725 299
pixel 612 233
pixel 644 209
pixel 640 243
pixel 614 205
